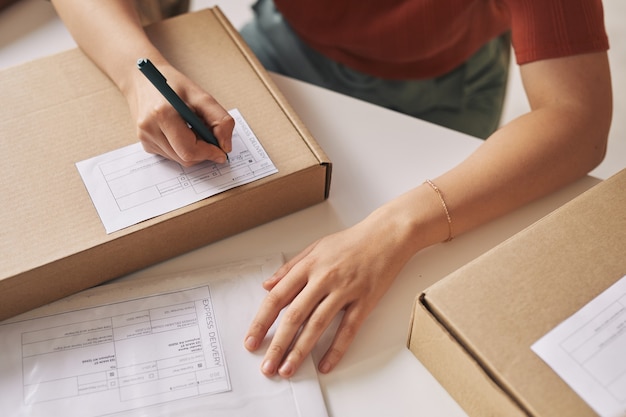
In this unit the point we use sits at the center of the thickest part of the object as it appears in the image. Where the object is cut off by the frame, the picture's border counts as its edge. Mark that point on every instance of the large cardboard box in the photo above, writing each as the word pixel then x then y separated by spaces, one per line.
pixel 62 109
pixel 473 330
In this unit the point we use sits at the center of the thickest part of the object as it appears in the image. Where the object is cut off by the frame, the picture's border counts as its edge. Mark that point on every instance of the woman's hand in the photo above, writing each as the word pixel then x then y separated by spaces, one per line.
pixel 112 35
pixel 163 131
pixel 349 270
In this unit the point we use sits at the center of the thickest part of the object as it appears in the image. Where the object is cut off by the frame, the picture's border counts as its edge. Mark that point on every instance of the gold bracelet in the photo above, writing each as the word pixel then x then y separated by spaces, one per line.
pixel 445 208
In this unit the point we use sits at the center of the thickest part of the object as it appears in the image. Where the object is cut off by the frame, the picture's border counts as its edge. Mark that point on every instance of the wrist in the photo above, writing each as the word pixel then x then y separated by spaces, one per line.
pixel 130 79
pixel 417 219
pixel 444 206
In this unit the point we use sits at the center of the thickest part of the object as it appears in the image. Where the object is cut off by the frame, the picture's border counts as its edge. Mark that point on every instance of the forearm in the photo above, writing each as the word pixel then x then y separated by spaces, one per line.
pixel 529 158
pixel 561 139
pixel 111 34
pixel 514 167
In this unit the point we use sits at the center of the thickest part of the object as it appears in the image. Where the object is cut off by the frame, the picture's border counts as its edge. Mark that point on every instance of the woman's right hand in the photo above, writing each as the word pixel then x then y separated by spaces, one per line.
pixel 112 35
pixel 162 130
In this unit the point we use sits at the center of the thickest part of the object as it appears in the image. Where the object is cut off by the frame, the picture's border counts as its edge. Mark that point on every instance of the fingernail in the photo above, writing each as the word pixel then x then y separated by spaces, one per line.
pixel 251 343
pixel 286 369
pixel 324 367
pixel 268 367
pixel 269 280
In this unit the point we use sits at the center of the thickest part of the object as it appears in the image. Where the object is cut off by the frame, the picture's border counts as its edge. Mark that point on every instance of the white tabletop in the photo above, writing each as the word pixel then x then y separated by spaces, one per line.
pixel 377 154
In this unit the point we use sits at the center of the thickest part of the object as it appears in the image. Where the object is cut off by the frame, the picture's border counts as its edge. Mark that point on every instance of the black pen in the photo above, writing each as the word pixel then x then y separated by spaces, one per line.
pixel 160 82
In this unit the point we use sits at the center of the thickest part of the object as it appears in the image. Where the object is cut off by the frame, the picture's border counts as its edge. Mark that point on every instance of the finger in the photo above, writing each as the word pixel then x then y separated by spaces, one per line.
pixel 159 147
pixel 292 320
pixel 217 118
pixel 153 128
pixel 154 141
pixel 350 324
pixel 271 282
pixel 269 310
pixel 289 326
pixel 223 131
pixel 159 144
pixel 309 335
pixel 189 149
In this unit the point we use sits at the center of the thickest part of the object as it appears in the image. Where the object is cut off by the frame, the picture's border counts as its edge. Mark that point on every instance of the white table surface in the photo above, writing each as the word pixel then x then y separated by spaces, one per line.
pixel 377 154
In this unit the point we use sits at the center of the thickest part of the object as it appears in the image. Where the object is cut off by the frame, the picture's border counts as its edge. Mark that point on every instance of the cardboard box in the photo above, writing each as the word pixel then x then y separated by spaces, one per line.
pixel 473 329
pixel 62 109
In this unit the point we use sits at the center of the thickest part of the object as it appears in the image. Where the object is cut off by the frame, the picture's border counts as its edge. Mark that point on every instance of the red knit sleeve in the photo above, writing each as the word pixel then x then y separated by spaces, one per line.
pixel 543 29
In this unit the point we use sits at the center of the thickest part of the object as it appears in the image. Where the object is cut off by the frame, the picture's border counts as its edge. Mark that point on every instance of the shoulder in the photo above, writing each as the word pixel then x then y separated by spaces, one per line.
pixel 543 29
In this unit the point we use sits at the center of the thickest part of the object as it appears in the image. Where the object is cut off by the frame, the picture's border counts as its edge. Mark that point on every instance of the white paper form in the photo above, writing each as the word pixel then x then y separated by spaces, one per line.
pixel 588 350
pixel 129 185
pixel 126 355
pixel 172 346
